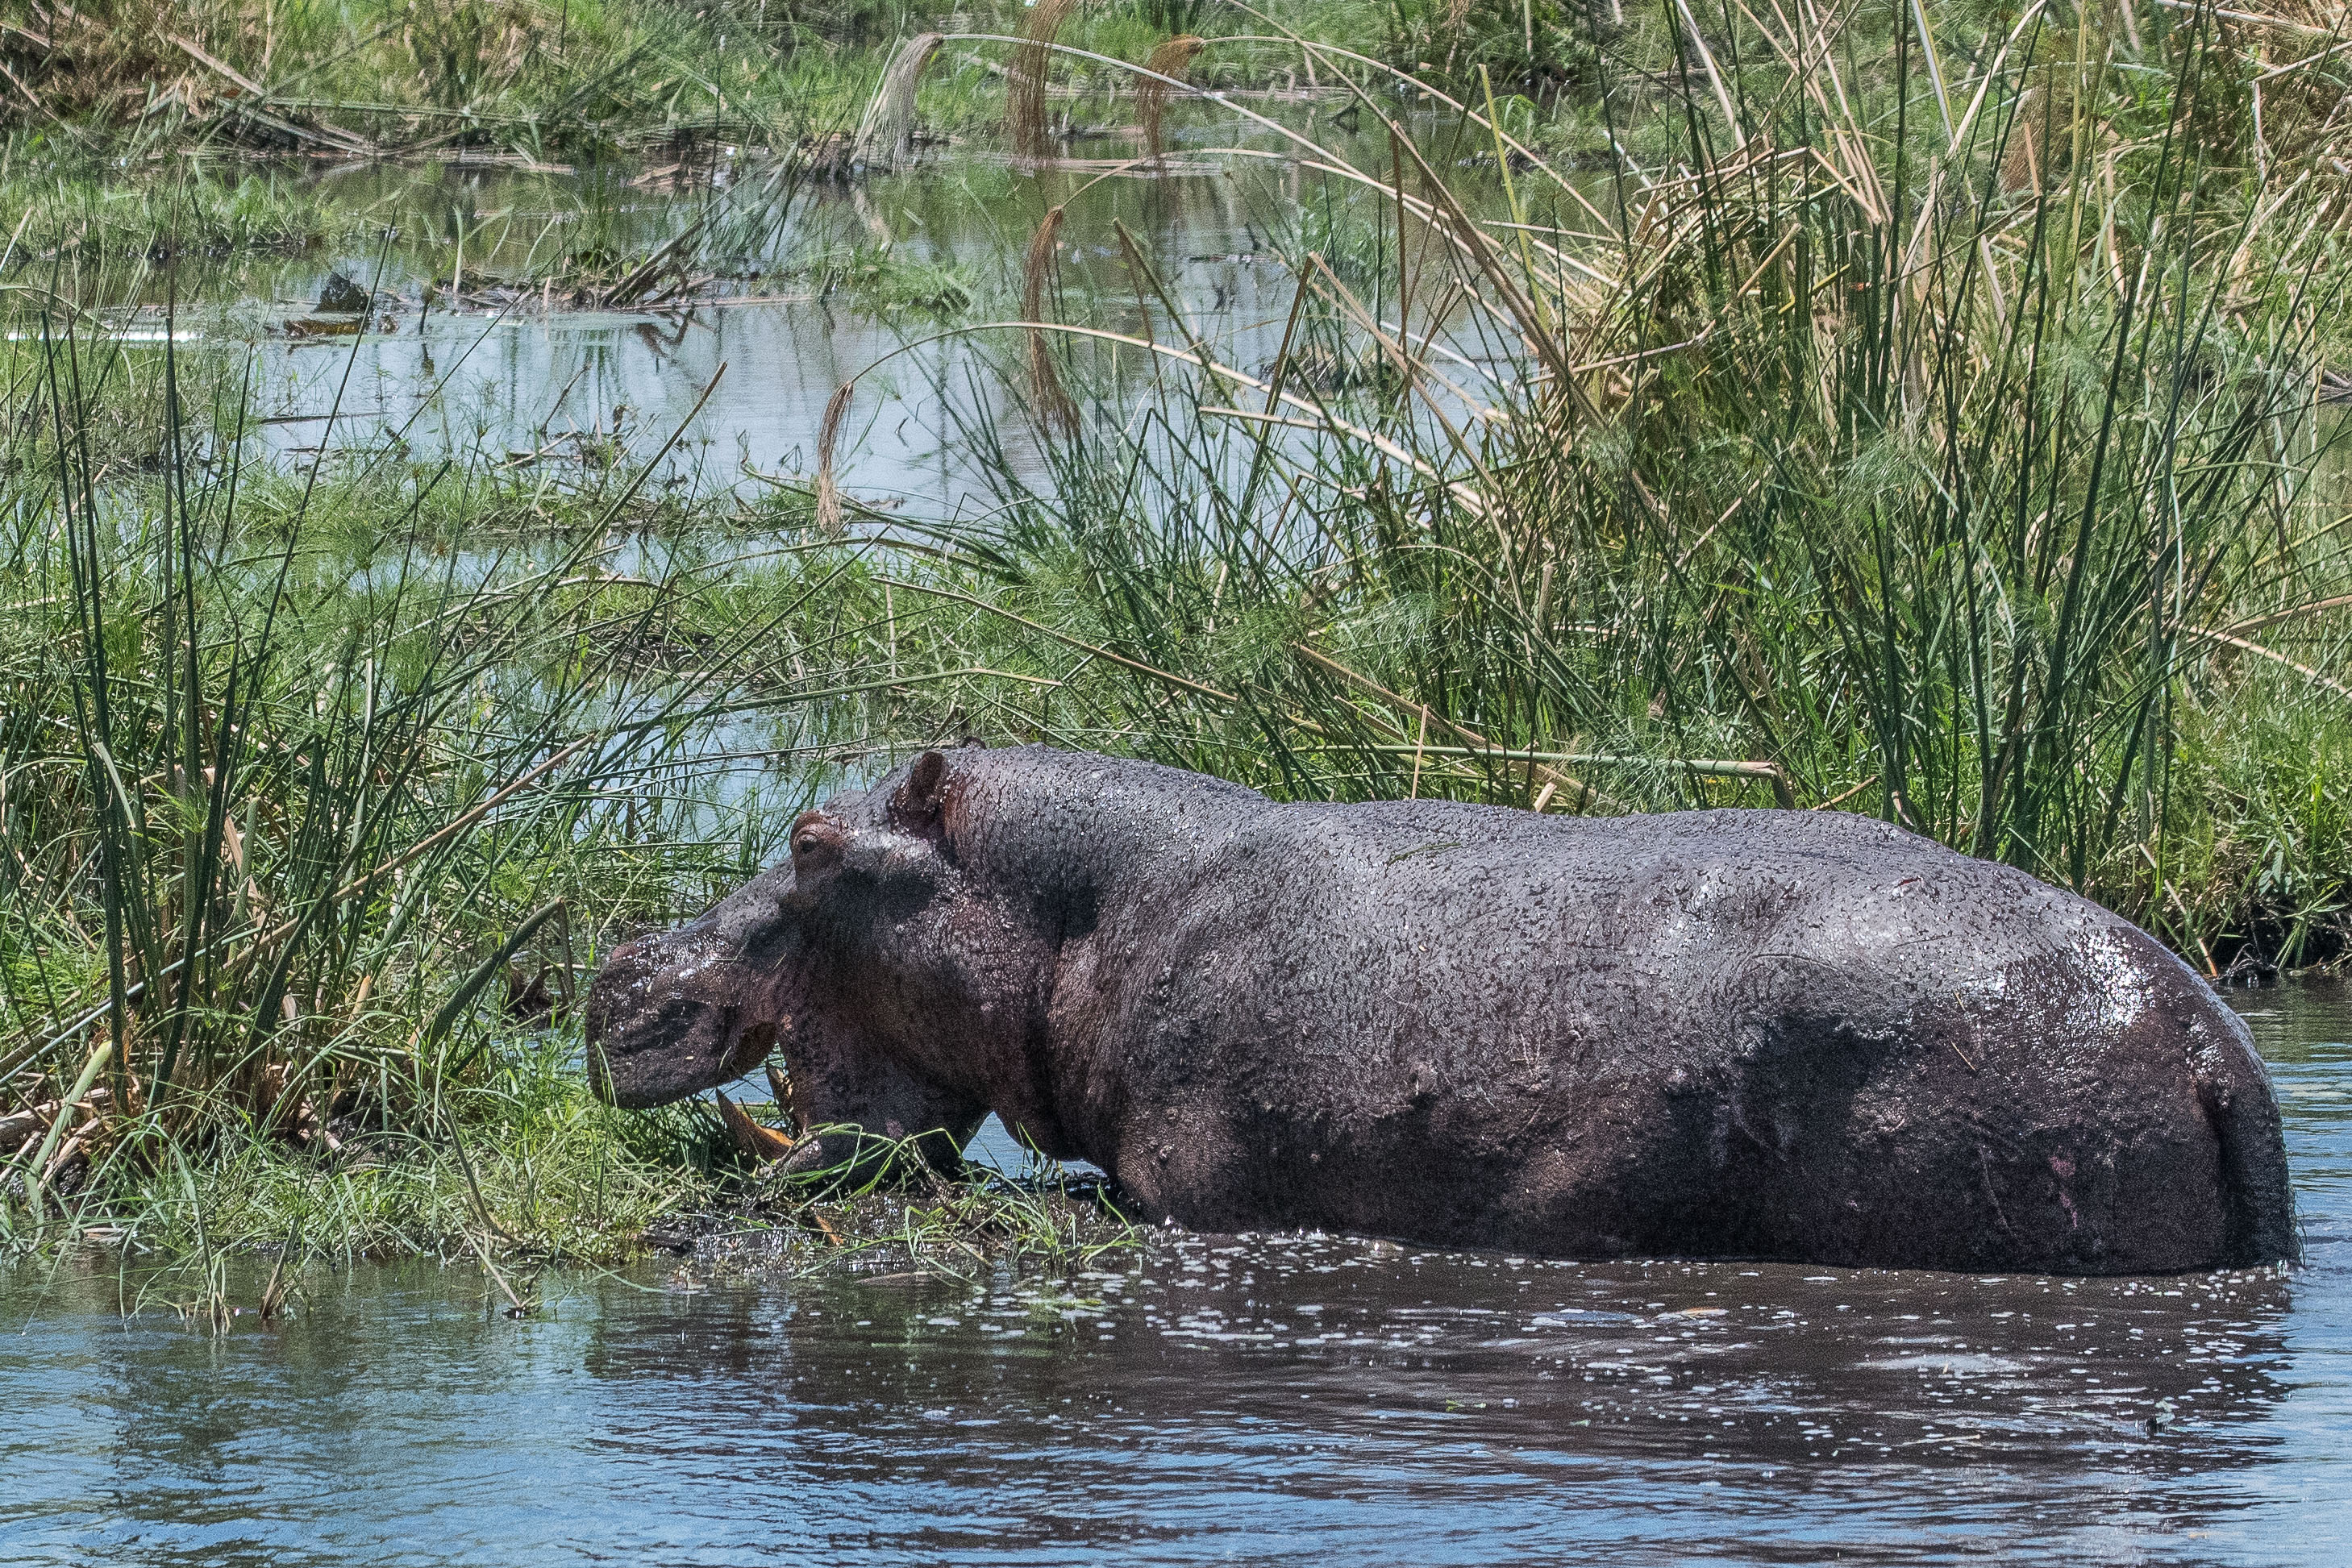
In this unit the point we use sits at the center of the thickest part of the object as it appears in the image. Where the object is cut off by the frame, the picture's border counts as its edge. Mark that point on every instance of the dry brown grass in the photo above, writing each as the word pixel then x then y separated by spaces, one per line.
pixel 1024 99
pixel 886 135
pixel 1055 410
pixel 1172 60
pixel 109 59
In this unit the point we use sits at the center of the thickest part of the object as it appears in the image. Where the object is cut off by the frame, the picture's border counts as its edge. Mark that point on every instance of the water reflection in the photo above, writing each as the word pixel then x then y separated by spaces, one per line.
pixel 513 374
pixel 532 384
pixel 1230 1399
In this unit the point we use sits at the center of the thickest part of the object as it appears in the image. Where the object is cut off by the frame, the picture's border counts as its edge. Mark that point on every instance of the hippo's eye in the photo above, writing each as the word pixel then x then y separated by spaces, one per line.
pixel 816 841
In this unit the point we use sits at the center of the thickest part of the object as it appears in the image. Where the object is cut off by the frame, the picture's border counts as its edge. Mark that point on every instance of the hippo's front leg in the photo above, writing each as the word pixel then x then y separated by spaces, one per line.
pixel 844 1094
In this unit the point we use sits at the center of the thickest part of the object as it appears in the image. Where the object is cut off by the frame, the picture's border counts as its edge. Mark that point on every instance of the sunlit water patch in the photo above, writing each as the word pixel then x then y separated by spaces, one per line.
pixel 1246 1398
pixel 471 348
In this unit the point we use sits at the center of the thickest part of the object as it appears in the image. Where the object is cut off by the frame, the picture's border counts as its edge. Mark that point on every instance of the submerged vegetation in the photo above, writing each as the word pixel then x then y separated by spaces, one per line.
pixel 1930 411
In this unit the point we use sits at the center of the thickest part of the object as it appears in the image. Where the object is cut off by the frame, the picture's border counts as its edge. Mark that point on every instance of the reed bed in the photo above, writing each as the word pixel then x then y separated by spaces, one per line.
pixel 1926 412
pixel 541 82
pixel 322 788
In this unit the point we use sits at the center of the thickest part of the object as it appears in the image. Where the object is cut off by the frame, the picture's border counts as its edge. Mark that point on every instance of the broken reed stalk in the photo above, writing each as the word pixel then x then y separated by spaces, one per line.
pixel 1172 60
pixel 1024 100
pixel 1056 412
pixel 886 136
pixel 37 1171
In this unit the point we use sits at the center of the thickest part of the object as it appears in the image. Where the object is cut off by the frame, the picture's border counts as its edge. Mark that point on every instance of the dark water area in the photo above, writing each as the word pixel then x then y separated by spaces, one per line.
pixel 1225 1399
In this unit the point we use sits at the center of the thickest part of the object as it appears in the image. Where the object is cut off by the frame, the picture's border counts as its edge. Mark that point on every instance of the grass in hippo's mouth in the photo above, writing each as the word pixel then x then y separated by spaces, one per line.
pixel 886 1211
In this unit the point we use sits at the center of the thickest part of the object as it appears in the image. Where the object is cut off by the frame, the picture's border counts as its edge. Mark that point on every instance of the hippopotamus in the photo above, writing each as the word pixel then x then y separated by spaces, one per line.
pixel 1755 1034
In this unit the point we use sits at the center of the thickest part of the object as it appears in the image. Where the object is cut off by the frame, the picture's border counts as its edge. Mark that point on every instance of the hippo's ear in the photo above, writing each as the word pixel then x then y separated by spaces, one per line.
pixel 919 804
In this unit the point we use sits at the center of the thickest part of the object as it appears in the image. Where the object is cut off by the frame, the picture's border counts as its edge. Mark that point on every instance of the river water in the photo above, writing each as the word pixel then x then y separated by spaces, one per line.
pixel 743 382
pixel 737 372
pixel 1225 1399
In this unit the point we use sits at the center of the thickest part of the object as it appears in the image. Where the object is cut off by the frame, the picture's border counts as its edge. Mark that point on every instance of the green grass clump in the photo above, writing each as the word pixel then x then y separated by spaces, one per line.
pixel 522 1161
pixel 890 1210
pixel 883 281
pixel 74 198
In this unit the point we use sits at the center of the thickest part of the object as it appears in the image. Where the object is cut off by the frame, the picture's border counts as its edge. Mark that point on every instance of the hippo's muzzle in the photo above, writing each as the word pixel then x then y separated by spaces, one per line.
pixel 668 1017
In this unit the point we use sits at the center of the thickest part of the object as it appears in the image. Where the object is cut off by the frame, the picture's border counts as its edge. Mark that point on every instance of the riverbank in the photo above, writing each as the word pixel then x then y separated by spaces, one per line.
pixel 1954 446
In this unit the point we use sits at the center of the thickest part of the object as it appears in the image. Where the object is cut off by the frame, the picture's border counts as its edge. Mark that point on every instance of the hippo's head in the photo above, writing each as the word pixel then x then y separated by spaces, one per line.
pixel 861 961
pixel 681 1011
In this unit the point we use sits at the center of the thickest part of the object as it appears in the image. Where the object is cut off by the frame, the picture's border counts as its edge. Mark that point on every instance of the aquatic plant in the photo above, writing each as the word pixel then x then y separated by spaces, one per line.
pixel 1829 446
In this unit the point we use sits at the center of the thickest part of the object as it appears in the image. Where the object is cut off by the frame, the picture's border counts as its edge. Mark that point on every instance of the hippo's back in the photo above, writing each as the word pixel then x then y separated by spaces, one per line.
pixel 1710 915
pixel 1762 1033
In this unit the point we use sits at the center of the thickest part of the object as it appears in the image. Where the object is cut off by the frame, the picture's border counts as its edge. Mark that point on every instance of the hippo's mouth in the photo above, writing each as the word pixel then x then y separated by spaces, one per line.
pixel 645 1068
pixel 752 1045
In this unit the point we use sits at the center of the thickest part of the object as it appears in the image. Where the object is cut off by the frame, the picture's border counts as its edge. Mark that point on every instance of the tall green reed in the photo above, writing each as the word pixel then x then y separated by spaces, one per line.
pixel 1941 446
pixel 298 763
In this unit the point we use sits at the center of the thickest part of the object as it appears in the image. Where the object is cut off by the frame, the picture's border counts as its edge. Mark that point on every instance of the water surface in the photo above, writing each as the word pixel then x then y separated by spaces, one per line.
pixel 505 372
pixel 1226 1399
